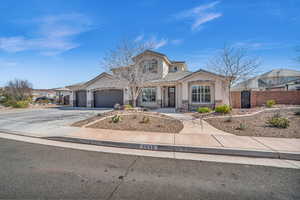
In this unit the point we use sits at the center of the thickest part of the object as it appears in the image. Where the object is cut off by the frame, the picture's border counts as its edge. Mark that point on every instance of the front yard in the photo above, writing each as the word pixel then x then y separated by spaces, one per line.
pixel 256 125
pixel 133 121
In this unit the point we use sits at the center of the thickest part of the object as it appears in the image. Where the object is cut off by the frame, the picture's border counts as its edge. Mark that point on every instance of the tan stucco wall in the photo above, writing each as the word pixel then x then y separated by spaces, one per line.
pixel 219 91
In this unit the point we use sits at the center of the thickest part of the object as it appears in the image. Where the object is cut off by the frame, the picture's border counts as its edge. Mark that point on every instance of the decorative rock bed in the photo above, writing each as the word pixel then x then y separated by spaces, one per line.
pixel 133 119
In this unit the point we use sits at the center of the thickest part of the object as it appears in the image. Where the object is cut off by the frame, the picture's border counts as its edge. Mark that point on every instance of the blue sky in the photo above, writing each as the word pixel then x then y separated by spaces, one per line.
pixel 53 43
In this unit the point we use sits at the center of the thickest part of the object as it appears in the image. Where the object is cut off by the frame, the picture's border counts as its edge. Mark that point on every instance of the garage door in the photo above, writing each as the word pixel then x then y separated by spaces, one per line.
pixel 108 98
pixel 81 98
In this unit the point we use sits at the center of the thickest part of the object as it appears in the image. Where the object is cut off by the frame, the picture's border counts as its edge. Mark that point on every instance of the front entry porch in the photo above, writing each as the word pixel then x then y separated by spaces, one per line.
pixel 168 97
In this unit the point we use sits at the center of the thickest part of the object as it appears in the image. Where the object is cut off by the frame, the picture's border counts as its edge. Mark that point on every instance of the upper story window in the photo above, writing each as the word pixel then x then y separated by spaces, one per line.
pixel 201 94
pixel 173 69
pixel 149 66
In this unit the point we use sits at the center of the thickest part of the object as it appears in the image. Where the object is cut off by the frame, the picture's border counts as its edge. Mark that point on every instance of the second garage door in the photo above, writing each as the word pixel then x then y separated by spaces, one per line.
pixel 81 98
pixel 108 98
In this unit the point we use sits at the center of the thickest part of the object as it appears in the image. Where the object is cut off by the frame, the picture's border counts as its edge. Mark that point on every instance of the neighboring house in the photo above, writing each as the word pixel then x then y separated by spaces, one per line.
pixel 271 79
pixel 287 86
pixel 49 93
pixel 168 84
pixel 63 95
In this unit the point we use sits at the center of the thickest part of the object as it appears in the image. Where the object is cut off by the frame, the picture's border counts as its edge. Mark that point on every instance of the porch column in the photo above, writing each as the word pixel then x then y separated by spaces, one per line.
pixel 159 96
pixel 185 96
pixel 89 98
pixel 218 93
pixel 126 96
pixel 72 99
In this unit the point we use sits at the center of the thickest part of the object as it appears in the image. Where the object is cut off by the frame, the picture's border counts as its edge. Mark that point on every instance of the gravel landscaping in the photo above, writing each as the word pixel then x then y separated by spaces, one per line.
pixel 133 120
pixel 137 122
pixel 239 111
pixel 256 125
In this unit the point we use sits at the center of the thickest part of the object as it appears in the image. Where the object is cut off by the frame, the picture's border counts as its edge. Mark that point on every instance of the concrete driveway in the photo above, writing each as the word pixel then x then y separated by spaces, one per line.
pixel 44 122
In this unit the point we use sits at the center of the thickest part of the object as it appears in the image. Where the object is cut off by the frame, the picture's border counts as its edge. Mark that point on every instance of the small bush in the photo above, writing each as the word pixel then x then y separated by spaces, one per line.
pixel 270 103
pixel 116 119
pixel 224 109
pixel 43 101
pixel 127 107
pixel 20 104
pixel 145 120
pixel 9 103
pixel 278 122
pixel 241 127
pixel 203 110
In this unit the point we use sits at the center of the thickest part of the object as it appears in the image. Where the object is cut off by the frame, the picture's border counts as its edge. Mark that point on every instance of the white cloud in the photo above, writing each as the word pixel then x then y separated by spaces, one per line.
pixel 176 41
pixel 200 14
pixel 139 38
pixel 157 43
pixel 53 34
pixel 251 45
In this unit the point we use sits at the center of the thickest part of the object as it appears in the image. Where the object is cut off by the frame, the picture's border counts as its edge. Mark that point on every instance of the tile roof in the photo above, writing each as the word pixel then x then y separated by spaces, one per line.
pixel 172 76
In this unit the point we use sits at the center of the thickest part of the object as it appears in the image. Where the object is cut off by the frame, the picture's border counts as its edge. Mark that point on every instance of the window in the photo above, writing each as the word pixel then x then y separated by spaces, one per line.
pixel 201 94
pixel 149 95
pixel 149 66
pixel 173 69
pixel 153 66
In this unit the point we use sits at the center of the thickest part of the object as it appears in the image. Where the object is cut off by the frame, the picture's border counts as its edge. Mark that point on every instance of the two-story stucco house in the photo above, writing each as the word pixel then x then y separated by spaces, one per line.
pixel 168 84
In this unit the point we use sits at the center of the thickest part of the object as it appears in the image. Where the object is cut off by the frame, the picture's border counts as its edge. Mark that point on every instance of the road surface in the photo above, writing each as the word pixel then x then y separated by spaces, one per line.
pixel 45 122
pixel 31 171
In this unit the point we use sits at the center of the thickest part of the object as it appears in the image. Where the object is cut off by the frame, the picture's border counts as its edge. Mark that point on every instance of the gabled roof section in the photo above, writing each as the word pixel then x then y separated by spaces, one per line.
pixel 203 71
pixel 104 74
pixel 157 54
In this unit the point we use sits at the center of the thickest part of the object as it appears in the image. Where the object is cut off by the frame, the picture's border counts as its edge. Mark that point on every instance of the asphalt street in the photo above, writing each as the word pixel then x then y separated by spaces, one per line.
pixel 32 171
pixel 45 122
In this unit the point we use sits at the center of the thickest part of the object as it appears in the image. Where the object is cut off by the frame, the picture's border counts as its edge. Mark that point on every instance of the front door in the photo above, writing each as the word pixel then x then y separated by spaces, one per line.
pixel 171 96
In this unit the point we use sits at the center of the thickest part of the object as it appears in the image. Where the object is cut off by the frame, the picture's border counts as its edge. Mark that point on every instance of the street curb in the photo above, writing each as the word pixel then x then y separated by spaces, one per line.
pixel 185 149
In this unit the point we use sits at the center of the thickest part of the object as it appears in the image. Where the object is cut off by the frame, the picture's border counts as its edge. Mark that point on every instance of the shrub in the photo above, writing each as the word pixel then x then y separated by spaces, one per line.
pixel 20 104
pixel 43 101
pixel 241 127
pixel 116 119
pixel 203 110
pixel 127 107
pixel 224 109
pixel 145 120
pixel 270 103
pixel 278 122
pixel 9 103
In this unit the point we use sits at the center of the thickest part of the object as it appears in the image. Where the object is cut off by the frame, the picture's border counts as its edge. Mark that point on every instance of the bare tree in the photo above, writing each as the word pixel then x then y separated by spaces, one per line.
pixel 120 61
pixel 235 64
pixel 18 90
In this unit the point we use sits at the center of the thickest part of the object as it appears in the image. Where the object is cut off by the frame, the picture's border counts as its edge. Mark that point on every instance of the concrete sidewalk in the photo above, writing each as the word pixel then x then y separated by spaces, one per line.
pixel 198 143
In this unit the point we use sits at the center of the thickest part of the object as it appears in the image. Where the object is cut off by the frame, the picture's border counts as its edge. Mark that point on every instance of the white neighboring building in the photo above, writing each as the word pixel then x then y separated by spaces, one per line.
pixel 271 79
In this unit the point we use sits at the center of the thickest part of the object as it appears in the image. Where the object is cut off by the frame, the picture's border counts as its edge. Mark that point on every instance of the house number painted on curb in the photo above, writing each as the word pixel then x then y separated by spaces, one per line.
pixel 148 147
